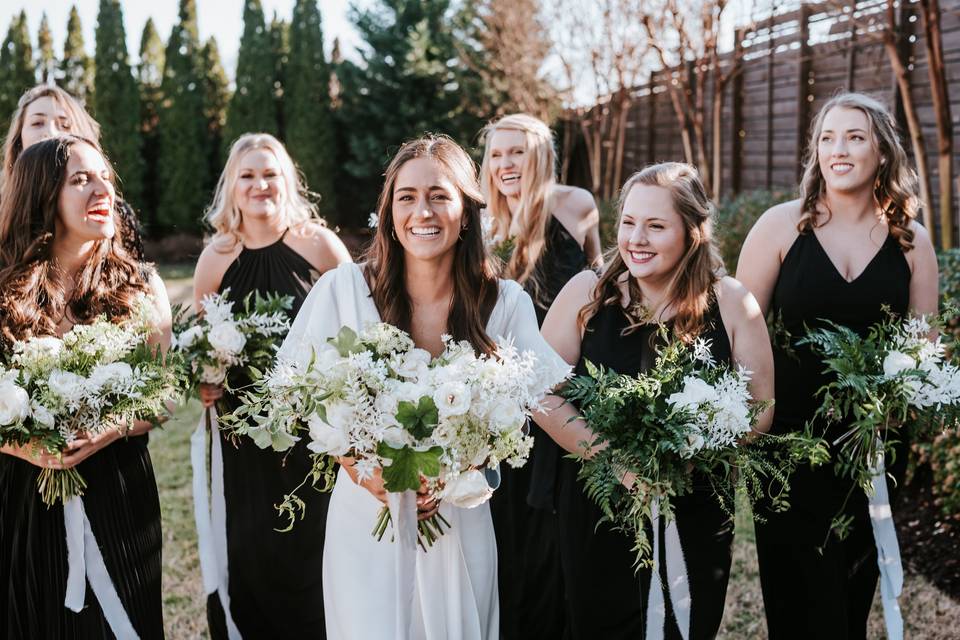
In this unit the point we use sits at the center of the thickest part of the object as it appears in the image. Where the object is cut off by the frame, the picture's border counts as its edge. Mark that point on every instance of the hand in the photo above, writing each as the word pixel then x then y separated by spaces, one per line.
pixel 210 393
pixel 427 504
pixel 373 484
pixel 82 448
pixel 34 454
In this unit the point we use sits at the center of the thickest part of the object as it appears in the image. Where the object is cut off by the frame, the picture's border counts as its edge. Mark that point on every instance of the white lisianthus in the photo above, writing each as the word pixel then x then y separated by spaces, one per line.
pixel 186 339
pixel 467 490
pixel 213 374
pixel 327 438
pixel 68 386
pixel 452 399
pixel 14 403
pixel 897 361
pixel 42 415
pixel 226 338
pixel 110 375
pixel 696 391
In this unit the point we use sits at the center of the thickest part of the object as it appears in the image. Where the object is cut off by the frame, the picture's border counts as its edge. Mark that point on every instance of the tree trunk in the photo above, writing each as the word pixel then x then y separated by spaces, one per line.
pixel 717 138
pixel 621 143
pixel 941 107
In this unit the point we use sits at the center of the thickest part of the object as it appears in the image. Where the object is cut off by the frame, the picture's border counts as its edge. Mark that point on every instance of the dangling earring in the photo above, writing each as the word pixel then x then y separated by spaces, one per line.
pixel 460 235
pixel 393 233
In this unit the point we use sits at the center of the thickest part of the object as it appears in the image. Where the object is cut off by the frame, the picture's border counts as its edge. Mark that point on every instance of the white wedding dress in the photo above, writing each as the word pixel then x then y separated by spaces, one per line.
pixel 392 590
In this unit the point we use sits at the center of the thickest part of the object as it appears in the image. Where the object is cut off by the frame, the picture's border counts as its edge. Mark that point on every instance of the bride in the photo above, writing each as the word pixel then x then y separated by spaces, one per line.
pixel 427 272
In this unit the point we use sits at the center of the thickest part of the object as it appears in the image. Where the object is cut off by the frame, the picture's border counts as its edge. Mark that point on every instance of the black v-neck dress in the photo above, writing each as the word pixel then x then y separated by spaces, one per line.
pixel 275 579
pixel 814 585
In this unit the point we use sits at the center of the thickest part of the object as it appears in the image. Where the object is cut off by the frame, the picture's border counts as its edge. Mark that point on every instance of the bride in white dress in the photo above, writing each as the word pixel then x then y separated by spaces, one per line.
pixel 428 273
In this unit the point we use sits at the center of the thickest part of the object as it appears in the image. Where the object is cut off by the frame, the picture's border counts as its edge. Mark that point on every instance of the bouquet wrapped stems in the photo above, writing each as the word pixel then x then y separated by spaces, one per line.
pixel 59 485
pixel 429 530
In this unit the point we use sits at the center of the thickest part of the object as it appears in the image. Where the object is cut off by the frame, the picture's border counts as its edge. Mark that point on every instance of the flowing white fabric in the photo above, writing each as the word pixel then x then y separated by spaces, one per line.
pixel 85 563
pixel 383 589
pixel 210 515
pixel 678 585
pixel 888 550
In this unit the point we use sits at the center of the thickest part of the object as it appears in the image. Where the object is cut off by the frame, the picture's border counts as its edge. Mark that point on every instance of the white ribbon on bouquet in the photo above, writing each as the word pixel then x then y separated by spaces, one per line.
pixel 210 513
pixel 85 563
pixel 888 550
pixel 678 585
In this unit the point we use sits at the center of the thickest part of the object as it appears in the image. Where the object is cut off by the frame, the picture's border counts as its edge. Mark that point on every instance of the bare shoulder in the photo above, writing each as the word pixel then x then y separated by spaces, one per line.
pixel 736 303
pixel 318 244
pixel 777 226
pixel 579 289
pixel 212 264
pixel 573 202
pixel 923 253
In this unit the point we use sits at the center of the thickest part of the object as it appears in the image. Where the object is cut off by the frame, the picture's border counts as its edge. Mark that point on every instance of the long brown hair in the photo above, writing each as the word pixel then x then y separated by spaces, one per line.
pixel 475 284
pixel 33 300
pixel 895 186
pixel 696 273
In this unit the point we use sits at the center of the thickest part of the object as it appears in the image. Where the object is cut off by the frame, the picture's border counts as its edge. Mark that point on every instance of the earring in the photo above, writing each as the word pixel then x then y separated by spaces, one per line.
pixel 460 235
pixel 393 233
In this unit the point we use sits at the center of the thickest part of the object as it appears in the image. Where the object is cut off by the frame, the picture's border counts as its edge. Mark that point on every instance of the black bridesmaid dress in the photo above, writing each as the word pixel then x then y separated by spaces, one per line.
pixel 275 579
pixel 123 508
pixel 815 585
pixel 524 506
pixel 606 597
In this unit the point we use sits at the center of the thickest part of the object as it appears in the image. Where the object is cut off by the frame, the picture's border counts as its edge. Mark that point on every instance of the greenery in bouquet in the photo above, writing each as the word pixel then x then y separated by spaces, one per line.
pixel 98 376
pixel 686 417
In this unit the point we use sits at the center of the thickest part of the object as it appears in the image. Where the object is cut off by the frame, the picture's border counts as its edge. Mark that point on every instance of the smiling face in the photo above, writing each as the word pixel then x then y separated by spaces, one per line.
pixel 846 150
pixel 44 118
pixel 427 210
pixel 651 236
pixel 260 189
pixel 86 200
pixel 508 153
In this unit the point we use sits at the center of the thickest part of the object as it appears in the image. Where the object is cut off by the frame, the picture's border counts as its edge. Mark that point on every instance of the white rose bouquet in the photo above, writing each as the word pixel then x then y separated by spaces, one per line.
pixel 96 377
pixel 687 415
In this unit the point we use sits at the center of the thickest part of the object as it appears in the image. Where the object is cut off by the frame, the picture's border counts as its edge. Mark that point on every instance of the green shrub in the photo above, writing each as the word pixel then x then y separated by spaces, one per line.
pixel 608 223
pixel 735 217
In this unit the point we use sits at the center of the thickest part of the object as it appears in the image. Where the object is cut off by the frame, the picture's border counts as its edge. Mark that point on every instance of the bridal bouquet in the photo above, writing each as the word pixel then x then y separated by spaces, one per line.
pixel 96 377
pixel 891 378
pixel 687 415
pixel 220 340
pixel 376 398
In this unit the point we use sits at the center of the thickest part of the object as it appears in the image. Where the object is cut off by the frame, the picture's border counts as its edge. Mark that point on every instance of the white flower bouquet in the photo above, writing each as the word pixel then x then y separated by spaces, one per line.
pixel 687 416
pixel 222 341
pixel 96 377
pixel 378 399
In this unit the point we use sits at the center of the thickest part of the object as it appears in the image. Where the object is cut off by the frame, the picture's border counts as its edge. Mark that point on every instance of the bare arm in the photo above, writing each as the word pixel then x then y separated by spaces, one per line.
pixel 320 246
pixel 759 265
pixel 925 274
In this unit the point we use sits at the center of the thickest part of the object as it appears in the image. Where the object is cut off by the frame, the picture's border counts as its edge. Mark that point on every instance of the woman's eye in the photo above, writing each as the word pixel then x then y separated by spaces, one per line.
pixel 626 223
pixel 656 226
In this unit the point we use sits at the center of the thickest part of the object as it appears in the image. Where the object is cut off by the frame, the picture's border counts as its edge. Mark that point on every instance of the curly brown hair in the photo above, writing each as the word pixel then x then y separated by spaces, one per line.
pixel 475 285
pixel 34 300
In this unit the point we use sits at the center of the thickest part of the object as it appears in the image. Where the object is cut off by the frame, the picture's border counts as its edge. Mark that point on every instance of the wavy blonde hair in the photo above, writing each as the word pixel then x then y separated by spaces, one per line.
pixel 223 214
pixel 538 177
pixel 895 186
pixel 699 268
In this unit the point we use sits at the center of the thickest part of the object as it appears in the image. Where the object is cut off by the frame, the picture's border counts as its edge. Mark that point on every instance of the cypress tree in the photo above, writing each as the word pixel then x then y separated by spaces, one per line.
pixel 182 164
pixel 46 59
pixel 252 105
pixel 280 52
pixel 216 95
pixel 117 101
pixel 310 134
pixel 16 68
pixel 76 66
pixel 149 79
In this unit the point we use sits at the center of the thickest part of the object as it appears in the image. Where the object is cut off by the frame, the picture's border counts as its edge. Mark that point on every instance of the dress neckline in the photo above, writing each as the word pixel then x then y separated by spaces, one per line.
pixel 267 246
pixel 833 264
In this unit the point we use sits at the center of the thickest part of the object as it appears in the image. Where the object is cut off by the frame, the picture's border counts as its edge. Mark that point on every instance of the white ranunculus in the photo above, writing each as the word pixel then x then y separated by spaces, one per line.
pixel 43 416
pixel 325 438
pixel 110 375
pixel 68 386
pixel 14 404
pixel 213 374
pixel 186 339
pixel 226 338
pixel 452 399
pixel 695 392
pixel 897 361
pixel 468 490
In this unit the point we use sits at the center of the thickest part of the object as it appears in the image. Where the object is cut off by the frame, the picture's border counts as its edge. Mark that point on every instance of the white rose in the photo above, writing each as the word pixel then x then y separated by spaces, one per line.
pixel 452 399
pixel 695 443
pixel 226 338
pixel 69 386
pixel 695 392
pixel 468 490
pixel 43 416
pixel 213 374
pixel 14 404
pixel 110 375
pixel 396 437
pixel 325 438
pixel 413 363
pixel 188 337
pixel 505 415
pixel 895 362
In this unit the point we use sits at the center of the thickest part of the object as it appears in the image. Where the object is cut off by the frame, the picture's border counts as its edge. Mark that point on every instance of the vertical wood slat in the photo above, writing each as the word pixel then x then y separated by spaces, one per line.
pixel 737 131
pixel 652 120
pixel 803 90
pixel 770 69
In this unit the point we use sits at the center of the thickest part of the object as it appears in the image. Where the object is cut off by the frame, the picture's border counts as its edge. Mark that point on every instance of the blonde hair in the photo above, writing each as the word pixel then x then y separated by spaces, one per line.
pixel 895 186
pixel 538 177
pixel 695 274
pixel 223 214
pixel 81 123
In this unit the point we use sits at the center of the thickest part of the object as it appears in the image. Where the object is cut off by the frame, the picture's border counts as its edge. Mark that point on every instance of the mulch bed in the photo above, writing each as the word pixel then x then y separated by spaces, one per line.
pixel 929 540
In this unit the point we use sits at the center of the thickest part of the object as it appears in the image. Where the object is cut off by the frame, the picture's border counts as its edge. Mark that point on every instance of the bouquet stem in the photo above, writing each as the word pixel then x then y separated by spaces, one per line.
pixel 59 485
pixel 428 530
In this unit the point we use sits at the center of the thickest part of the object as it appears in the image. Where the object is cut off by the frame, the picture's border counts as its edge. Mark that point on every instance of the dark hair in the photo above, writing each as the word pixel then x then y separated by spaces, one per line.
pixel 33 299
pixel 475 284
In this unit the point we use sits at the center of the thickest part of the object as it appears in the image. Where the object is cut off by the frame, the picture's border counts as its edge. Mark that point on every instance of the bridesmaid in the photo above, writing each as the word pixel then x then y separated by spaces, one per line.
pixel 267 239
pixel 59 265
pixel 46 111
pixel 555 229
pixel 848 247
pixel 664 269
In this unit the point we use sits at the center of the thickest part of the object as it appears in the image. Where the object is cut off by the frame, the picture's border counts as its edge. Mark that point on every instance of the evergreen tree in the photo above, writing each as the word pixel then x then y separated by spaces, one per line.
pixel 182 163
pixel 280 52
pixel 117 101
pixel 16 68
pixel 216 95
pixel 76 66
pixel 310 135
pixel 252 105
pixel 149 79
pixel 46 59
pixel 411 83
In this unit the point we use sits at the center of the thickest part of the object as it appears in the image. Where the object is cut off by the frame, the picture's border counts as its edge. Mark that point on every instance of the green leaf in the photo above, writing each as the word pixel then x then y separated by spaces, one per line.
pixel 346 342
pixel 418 419
pixel 407 465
